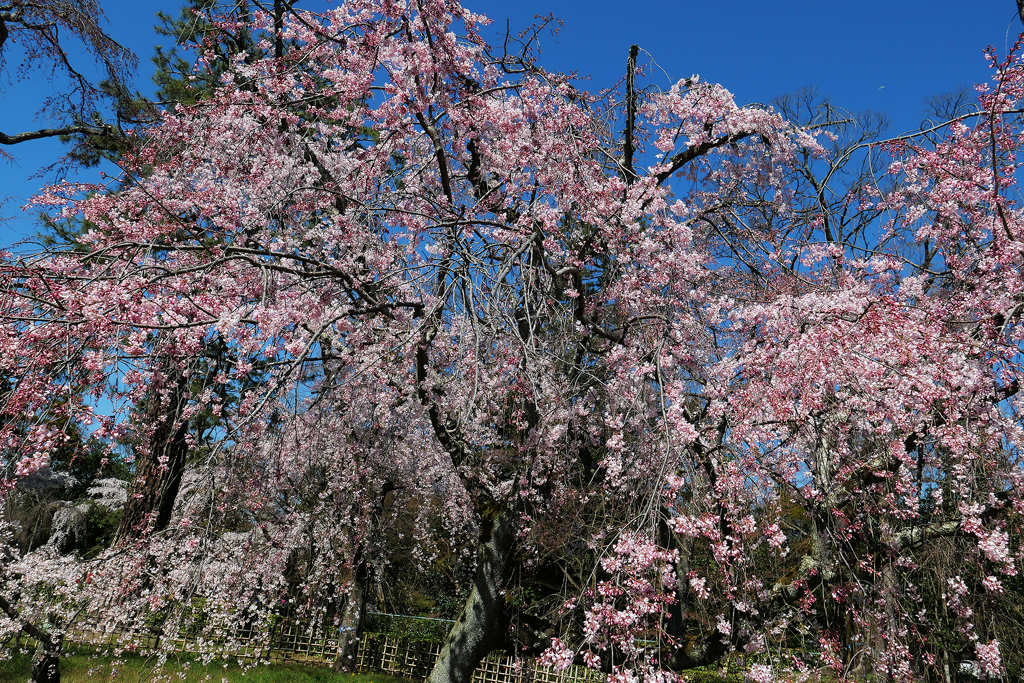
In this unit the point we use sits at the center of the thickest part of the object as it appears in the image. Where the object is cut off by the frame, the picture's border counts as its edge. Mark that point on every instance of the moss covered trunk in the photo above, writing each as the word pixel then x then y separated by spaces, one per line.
pixel 481 626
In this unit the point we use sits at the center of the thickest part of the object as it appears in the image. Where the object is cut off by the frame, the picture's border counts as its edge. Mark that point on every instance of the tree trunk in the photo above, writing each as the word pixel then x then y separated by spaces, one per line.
pixel 675 623
pixel 481 626
pixel 46 663
pixel 158 470
pixel 353 613
pixel 45 667
pixel 353 610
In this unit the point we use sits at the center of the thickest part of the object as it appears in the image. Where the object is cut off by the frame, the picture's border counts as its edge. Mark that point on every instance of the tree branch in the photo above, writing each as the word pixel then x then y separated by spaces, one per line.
pixel 691 153
pixel 52 133
pixel 31 629
pixel 629 145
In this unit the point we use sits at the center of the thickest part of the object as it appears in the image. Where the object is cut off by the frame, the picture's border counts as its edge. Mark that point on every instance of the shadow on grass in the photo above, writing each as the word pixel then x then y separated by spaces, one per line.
pixel 84 666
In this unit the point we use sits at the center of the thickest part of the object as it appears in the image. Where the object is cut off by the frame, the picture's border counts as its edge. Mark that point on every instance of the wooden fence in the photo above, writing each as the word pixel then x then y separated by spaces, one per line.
pixel 296 643
pixel 411 659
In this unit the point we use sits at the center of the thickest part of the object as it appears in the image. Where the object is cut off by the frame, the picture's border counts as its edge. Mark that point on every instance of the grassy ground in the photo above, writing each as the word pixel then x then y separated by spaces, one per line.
pixel 84 668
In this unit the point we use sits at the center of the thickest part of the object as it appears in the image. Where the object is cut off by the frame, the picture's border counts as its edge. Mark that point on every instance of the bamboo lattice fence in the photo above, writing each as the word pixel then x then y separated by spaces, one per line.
pixel 290 642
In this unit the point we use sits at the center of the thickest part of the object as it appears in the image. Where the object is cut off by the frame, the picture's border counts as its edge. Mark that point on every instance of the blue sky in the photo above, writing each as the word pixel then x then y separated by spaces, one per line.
pixel 885 56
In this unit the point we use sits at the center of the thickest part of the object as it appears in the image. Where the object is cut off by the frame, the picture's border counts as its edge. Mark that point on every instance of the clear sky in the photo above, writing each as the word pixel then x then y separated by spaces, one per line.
pixel 881 55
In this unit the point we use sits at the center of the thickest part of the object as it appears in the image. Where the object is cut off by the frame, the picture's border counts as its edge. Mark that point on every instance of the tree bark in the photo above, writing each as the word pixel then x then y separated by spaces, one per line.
pixel 482 624
pixel 46 664
pixel 629 145
pixel 353 614
pixel 45 667
pixel 158 470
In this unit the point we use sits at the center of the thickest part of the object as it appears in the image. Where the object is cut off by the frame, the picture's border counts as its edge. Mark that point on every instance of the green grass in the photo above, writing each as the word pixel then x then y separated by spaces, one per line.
pixel 86 668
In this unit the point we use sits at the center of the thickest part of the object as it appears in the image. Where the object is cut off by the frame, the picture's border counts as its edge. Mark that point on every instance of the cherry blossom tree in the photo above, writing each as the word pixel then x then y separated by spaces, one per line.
pixel 649 350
